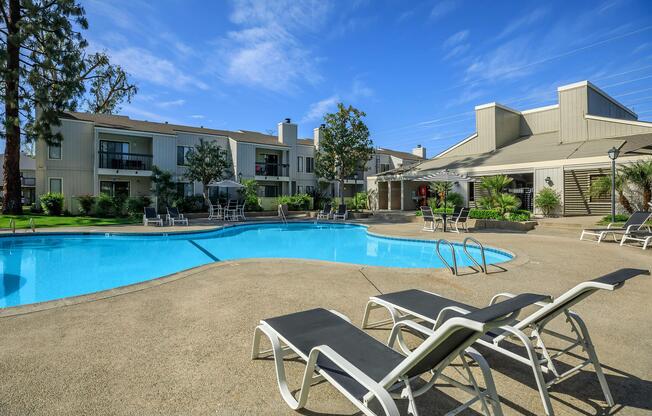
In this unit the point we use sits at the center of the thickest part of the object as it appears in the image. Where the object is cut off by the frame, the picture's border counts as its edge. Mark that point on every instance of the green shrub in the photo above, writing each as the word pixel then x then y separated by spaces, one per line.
pixel 418 213
pixel 442 210
pixel 118 205
pixel 86 203
pixel 250 195
pixel 547 199
pixel 36 209
pixel 52 203
pixel 453 200
pixel 298 202
pixel 136 205
pixel 619 218
pixel 104 205
pixel 520 215
pixel 485 214
pixel 193 203
pixel 359 201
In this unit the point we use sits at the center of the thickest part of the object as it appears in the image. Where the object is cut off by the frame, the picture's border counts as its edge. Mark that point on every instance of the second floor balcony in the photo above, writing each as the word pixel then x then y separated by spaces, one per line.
pixel 271 169
pixel 125 161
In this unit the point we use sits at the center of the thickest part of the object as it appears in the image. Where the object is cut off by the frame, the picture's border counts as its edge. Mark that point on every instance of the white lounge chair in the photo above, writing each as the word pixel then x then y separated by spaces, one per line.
pixel 325 213
pixel 342 213
pixel 430 222
pixel 363 368
pixel 174 217
pixel 635 222
pixel 641 236
pixel 151 217
pixel 434 309
pixel 459 220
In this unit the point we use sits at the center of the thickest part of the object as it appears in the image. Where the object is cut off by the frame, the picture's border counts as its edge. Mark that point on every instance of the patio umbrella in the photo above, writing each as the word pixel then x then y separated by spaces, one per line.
pixel 444 176
pixel 227 183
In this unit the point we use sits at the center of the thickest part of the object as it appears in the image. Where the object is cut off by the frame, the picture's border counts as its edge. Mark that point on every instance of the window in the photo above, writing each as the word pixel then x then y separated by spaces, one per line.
pixel 598 198
pixel 54 151
pixel 299 163
pixel 185 189
pixel 310 190
pixel 182 155
pixel 471 191
pixel 384 167
pixel 56 185
pixel 108 146
pixel 270 190
pixel 115 188
pixel 310 164
pixel 299 189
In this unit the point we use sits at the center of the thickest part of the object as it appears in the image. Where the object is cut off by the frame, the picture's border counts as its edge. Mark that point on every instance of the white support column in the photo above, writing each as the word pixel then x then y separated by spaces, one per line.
pixel 389 195
pixel 402 195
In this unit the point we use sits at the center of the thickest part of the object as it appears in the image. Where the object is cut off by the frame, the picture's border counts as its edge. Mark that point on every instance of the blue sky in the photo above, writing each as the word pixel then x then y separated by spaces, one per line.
pixel 416 68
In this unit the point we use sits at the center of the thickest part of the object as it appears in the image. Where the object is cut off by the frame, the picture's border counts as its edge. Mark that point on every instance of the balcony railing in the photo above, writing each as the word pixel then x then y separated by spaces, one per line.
pixel 128 161
pixel 360 176
pixel 271 169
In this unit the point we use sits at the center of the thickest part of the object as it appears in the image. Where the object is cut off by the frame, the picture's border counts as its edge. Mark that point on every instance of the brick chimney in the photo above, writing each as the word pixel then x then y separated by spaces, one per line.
pixel 419 151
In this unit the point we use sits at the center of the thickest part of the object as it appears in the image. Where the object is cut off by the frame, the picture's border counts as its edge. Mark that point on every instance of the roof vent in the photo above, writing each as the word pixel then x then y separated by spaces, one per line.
pixel 287 120
pixel 322 126
pixel 418 146
pixel 166 122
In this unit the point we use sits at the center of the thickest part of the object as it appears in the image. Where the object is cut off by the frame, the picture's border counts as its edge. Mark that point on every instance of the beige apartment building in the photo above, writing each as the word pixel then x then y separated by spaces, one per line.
pixel 114 154
pixel 563 146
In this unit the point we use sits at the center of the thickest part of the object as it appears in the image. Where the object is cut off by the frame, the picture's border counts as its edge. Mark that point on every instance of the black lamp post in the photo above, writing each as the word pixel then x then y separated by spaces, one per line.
pixel 613 155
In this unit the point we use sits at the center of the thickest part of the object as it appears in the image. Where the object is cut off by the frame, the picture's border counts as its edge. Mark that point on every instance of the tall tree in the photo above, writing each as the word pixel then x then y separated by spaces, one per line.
pixel 345 145
pixel 39 38
pixel 108 85
pixel 205 163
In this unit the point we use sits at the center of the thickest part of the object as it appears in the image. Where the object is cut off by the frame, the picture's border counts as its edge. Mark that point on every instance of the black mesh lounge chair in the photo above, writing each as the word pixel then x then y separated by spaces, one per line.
pixel 459 221
pixel 434 309
pixel 641 236
pixel 341 213
pixel 325 213
pixel 635 222
pixel 175 217
pixel 430 223
pixel 151 217
pixel 363 368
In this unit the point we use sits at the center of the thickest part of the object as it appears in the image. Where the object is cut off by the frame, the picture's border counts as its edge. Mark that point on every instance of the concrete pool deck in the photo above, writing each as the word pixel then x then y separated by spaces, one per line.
pixel 181 345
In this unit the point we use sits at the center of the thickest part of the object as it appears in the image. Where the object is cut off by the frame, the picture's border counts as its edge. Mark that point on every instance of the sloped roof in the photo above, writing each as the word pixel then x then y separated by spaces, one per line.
pixel 396 153
pixel 126 123
pixel 535 148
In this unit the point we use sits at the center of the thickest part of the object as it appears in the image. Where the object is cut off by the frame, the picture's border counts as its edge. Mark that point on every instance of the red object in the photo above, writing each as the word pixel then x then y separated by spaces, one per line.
pixel 423 195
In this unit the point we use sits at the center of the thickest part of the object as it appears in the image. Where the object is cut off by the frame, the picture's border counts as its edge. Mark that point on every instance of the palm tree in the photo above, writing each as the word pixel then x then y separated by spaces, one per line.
pixel 602 186
pixel 504 203
pixel 441 188
pixel 640 174
pixel 494 185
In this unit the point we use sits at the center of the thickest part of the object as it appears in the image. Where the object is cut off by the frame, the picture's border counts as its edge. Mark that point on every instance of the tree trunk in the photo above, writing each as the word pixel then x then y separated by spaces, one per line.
pixel 12 203
pixel 342 191
pixel 625 202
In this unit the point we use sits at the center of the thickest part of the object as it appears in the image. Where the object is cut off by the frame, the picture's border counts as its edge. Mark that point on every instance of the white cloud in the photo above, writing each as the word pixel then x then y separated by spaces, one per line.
pixel 318 109
pixel 266 52
pixel 442 8
pixel 144 65
pixel 172 103
pixel 361 90
pixel 147 115
pixel 529 19
pixel 510 60
pixel 457 51
pixel 455 39
pixel 198 116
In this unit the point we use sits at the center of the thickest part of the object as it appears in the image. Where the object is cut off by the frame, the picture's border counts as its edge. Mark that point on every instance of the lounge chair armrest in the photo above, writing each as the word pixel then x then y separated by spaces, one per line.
pixel 511 295
pixel 383 396
pixel 609 225
pixel 409 324
pixel 633 226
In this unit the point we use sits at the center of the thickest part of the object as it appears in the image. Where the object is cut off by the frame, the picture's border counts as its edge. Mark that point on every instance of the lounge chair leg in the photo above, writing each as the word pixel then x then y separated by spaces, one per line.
pixel 490 392
pixel 593 356
pixel 407 394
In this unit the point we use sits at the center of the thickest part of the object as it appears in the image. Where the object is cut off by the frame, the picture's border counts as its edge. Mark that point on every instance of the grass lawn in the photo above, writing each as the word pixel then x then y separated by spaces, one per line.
pixel 43 221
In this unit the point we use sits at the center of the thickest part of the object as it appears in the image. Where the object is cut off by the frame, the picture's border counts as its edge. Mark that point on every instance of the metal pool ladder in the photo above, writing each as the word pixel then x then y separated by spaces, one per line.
pixel 281 214
pixel 453 267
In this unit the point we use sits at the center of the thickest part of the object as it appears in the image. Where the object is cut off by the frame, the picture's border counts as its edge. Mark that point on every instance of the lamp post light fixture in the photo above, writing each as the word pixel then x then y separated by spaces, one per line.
pixel 613 155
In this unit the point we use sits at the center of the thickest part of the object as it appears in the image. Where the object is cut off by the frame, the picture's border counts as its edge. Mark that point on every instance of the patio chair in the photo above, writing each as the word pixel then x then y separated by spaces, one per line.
pixel 151 217
pixel 459 219
pixel 430 222
pixel 325 213
pixel 215 211
pixel 174 217
pixel 363 368
pixel 635 222
pixel 341 212
pixel 642 236
pixel 231 210
pixel 434 309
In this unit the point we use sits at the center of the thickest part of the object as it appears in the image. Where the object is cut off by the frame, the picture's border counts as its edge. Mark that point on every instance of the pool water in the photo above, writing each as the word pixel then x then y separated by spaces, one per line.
pixel 47 267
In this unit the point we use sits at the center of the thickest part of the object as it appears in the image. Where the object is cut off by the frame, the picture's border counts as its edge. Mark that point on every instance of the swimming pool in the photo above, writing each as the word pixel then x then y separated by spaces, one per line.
pixel 39 268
